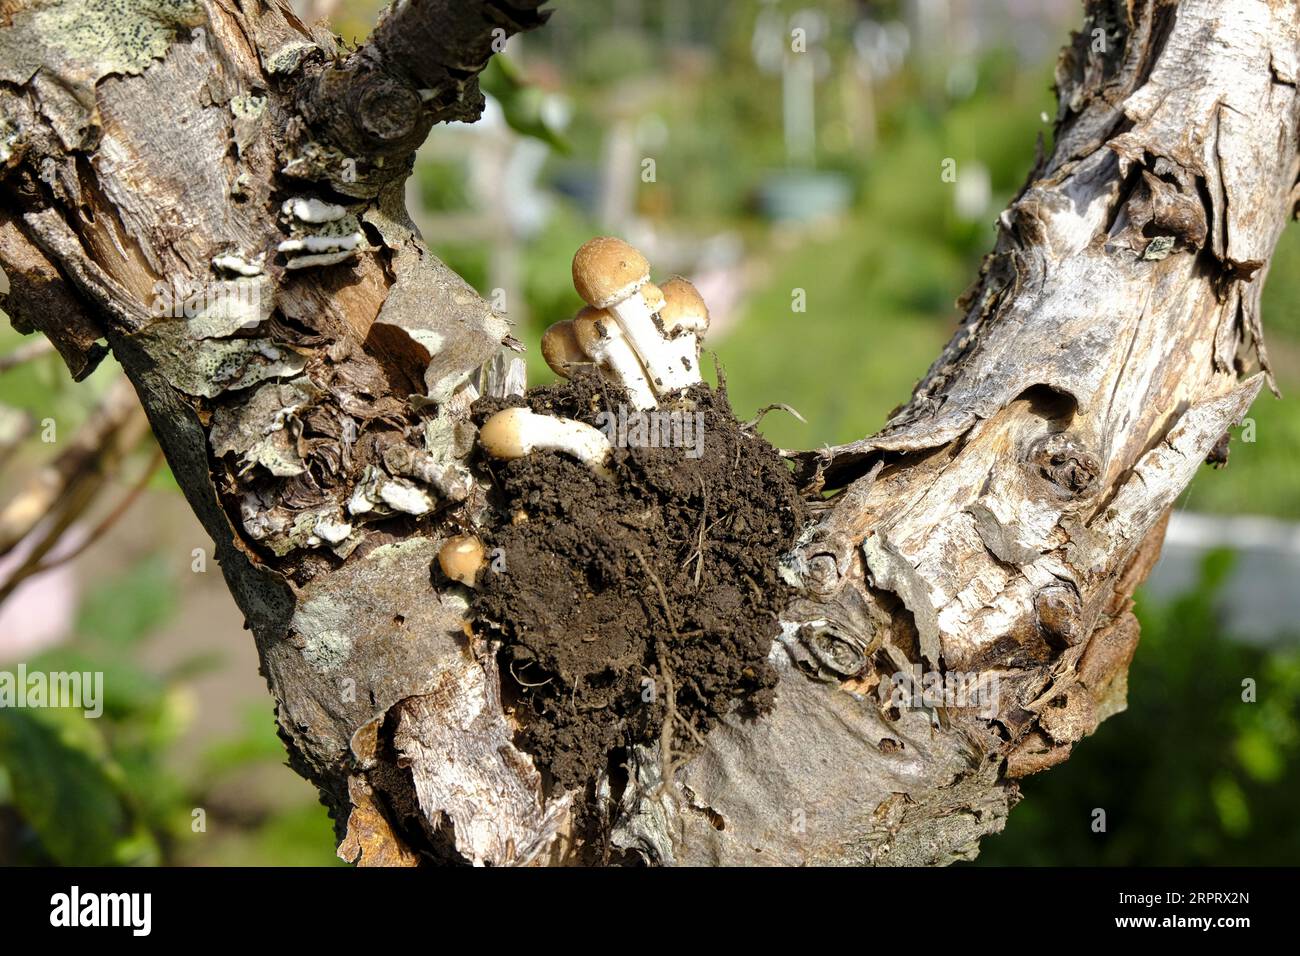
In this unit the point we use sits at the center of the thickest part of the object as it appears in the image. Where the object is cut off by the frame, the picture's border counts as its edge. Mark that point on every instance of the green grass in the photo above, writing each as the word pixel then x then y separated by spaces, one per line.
pixel 852 356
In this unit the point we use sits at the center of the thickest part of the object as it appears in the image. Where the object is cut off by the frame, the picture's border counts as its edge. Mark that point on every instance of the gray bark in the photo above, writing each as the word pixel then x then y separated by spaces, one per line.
pixel 997 525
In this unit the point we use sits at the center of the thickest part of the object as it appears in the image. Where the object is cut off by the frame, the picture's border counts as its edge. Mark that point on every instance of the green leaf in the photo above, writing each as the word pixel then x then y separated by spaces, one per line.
pixel 61 789
pixel 1260 756
pixel 1231 804
pixel 521 103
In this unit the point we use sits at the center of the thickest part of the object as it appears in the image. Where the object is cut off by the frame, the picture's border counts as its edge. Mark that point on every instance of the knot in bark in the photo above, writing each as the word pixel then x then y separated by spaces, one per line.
pixel 1062 460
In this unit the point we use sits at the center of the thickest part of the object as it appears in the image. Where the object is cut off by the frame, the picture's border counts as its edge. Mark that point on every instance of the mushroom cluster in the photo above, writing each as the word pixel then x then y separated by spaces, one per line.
pixel 643 337
pixel 637 334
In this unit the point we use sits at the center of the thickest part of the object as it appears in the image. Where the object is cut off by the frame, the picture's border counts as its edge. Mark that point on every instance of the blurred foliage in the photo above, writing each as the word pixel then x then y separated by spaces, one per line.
pixel 1190 774
pixel 76 790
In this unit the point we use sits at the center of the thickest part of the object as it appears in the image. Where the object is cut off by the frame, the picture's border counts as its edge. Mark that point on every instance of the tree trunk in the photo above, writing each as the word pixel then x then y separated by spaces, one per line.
pixel 993 531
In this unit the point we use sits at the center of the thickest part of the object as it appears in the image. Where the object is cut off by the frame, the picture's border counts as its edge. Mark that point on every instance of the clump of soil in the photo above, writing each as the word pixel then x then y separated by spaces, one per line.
pixel 606 594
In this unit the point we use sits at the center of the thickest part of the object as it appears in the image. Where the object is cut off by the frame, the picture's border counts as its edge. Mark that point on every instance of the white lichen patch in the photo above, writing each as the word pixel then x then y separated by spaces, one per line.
pixel 316 161
pixel 10 140
pixel 324 240
pixel 332 530
pixel 404 496
pixel 326 649
pixel 322 243
pixel 238 264
pixel 247 110
pixel 286 59
pixel 379 494
pixel 281 530
pixel 332 623
pixel 309 209
pixel 447 442
pixel 231 307
pixel 320 259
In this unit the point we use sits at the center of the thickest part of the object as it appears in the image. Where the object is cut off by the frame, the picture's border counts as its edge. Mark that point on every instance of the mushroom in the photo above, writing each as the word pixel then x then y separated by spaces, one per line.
pixel 461 558
pixel 609 274
pixel 599 336
pixel 654 297
pixel 514 432
pixel 561 350
pixel 684 318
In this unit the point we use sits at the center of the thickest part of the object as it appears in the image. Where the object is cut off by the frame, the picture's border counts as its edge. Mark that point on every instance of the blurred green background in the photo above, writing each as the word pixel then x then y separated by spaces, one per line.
pixel 803 193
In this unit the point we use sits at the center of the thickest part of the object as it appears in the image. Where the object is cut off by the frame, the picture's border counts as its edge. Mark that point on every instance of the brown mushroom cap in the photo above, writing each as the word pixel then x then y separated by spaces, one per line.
pixel 560 348
pixel 461 558
pixel 653 295
pixel 591 326
pixel 607 270
pixel 683 309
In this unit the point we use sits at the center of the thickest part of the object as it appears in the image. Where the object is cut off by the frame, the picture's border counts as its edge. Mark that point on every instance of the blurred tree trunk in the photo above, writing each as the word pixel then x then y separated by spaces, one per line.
pixel 220 163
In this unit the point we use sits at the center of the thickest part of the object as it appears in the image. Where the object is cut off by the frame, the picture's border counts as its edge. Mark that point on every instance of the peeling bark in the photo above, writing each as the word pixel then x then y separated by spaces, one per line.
pixel 215 190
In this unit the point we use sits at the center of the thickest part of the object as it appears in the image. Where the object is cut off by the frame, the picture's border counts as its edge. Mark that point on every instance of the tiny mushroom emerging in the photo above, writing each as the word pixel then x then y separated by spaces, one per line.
pixel 609 274
pixel 514 432
pixel 685 319
pixel 461 558
pixel 600 337
pixel 561 350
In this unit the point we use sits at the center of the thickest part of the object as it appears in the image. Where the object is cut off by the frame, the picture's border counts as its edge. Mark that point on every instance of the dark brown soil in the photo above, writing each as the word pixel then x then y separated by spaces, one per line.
pixel 604 596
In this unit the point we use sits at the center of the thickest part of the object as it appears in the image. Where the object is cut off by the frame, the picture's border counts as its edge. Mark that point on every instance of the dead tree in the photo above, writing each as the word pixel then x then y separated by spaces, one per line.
pixel 999 523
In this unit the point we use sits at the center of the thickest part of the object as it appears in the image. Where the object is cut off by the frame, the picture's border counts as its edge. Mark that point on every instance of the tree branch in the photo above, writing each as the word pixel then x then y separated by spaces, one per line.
pixel 419 67
pixel 998 525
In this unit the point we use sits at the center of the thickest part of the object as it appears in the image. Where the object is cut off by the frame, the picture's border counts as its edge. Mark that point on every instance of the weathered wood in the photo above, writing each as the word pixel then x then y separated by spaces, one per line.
pixel 216 190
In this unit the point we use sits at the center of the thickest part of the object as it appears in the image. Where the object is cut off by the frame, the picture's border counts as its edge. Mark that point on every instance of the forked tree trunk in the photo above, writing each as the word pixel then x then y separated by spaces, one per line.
pixel 997 526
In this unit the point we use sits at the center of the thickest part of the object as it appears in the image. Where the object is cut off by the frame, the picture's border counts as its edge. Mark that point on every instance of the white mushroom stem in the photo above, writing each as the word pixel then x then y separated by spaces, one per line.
pixel 609 274
pixel 601 338
pixel 686 351
pixel 515 432
pixel 684 318
pixel 662 361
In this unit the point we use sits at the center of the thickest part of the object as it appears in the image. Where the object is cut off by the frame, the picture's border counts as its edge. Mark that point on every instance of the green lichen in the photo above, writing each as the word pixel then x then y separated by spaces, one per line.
pixel 286 59
pixel 79 42
pixel 332 621
pixel 208 367
pixel 1159 248
pixel 247 110
pixel 248 106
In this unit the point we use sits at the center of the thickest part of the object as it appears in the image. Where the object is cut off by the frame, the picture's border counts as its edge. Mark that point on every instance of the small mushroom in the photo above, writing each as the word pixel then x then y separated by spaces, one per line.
pixel 600 337
pixel 514 432
pixel 561 350
pixel 462 558
pixel 609 274
pixel 685 319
